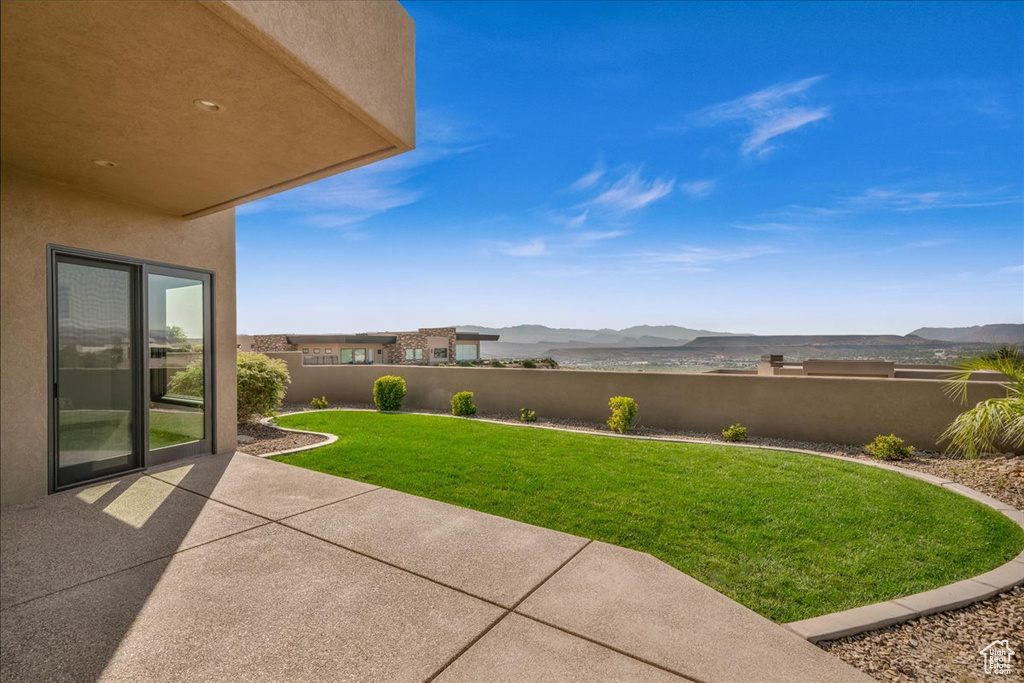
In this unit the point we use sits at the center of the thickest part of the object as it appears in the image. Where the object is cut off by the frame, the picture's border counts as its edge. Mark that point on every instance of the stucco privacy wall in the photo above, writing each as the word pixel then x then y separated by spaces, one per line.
pixel 835 409
pixel 34 213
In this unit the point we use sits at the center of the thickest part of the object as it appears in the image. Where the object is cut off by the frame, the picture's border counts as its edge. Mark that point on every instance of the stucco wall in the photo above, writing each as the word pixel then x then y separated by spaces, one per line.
pixel 834 409
pixel 34 213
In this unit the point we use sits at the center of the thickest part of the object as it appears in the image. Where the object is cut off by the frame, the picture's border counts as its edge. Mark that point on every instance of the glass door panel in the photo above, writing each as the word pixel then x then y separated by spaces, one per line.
pixel 178 346
pixel 95 369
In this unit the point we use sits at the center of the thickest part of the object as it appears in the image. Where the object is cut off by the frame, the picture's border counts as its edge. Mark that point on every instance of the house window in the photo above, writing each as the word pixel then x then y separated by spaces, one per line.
pixel 466 352
pixel 327 351
pixel 359 355
pixel 414 354
pixel 306 351
pixel 440 353
pixel 346 355
pixel 316 350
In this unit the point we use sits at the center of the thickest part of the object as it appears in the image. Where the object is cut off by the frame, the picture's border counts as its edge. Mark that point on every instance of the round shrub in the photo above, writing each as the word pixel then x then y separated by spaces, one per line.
pixel 495 363
pixel 527 415
pixel 462 404
pixel 388 392
pixel 529 364
pixel 261 385
pixel 318 403
pixel 736 432
pixel 624 414
pixel 889 447
pixel 188 382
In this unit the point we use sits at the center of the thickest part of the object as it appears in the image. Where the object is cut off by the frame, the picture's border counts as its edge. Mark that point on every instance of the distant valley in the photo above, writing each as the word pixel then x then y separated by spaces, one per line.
pixel 681 349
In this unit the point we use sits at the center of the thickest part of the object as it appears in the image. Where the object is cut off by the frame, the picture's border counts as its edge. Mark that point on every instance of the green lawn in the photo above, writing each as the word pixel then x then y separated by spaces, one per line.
pixel 789 535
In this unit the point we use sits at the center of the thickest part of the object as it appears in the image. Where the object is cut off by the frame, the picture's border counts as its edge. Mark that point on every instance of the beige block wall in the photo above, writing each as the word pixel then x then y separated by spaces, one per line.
pixel 35 213
pixel 830 409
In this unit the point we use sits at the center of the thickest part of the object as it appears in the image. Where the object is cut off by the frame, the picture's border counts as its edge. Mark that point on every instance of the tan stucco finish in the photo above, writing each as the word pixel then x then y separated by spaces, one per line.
pixel 34 214
pixel 117 81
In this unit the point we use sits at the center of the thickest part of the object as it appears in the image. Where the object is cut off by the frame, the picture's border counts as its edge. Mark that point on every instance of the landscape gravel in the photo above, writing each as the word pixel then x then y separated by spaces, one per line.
pixel 937 648
pixel 267 439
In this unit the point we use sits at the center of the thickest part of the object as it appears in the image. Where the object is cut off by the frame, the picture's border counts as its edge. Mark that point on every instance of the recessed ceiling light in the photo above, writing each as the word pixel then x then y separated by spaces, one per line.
pixel 106 163
pixel 207 105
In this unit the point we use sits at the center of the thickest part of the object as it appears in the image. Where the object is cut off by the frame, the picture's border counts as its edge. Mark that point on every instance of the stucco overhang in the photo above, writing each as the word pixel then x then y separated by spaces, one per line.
pixel 306 89
pixel 473 336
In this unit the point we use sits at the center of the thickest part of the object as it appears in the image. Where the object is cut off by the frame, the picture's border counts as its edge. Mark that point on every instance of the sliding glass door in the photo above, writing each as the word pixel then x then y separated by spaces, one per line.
pixel 178 330
pixel 96 375
pixel 130 360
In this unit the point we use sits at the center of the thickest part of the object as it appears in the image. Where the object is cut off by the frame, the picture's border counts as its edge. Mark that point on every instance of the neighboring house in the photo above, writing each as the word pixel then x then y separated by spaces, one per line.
pixel 130 131
pixel 775 365
pixel 425 346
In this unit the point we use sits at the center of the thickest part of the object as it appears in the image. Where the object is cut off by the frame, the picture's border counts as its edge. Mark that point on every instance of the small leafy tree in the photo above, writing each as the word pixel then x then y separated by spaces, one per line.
pixel 188 382
pixel 624 414
pixel 994 422
pixel 388 392
pixel 177 338
pixel 462 404
pixel 261 385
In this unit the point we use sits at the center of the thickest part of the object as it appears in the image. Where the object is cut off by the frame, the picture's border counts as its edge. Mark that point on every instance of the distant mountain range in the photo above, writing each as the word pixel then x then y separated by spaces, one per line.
pixel 1006 333
pixel 527 341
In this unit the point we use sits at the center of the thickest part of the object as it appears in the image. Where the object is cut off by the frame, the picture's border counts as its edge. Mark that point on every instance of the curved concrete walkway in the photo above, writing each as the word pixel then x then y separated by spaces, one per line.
pixel 236 567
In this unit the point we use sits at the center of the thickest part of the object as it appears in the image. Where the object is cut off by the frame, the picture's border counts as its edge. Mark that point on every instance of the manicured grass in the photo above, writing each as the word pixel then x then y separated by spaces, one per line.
pixel 789 535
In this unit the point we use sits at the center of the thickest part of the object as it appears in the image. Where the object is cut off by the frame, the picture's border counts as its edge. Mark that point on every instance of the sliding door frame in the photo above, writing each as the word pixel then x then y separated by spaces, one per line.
pixel 141 269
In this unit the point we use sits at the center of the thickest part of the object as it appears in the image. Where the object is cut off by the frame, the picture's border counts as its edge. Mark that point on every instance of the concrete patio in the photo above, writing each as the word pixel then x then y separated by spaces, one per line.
pixel 234 568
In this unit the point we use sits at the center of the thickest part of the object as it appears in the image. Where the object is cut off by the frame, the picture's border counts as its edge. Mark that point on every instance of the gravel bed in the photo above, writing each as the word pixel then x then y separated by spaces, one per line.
pixel 267 439
pixel 940 647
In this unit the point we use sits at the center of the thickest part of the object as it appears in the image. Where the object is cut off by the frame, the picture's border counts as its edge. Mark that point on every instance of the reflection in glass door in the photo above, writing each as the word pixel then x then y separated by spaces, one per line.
pixel 95 369
pixel 178 330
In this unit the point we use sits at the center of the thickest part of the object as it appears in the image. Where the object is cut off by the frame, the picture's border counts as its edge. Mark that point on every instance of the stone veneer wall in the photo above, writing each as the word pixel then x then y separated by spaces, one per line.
pixel 418 340
pixel 270 343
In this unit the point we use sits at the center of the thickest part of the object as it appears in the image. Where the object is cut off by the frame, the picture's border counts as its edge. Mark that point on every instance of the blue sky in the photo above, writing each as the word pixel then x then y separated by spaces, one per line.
pixel 761 167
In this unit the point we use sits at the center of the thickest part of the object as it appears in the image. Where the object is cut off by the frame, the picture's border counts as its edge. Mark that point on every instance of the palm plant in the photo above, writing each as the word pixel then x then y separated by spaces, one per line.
pixel 994 422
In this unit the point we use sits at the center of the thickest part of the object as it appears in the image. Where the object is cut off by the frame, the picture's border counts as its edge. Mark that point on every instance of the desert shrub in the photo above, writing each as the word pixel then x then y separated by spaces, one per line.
pixel 188 382
pixel 889 447
pixel 549 362
pixel 462 403
pixel 495 363
pixel 318 403
pixel 736 432
pixel 624 414
pixel 527 415
pixel 529 364
pixel 261 385
pixel 388 392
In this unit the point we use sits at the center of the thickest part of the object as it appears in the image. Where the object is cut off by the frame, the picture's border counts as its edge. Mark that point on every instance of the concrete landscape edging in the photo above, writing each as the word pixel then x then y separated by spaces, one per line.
pixel 827 626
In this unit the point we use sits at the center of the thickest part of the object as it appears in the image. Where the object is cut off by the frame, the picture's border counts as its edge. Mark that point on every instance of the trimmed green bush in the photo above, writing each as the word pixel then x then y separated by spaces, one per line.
pixel 625 412
pixel 889 447
pixel 318 403
pixel 527 415
pixel 462 404
pixel 388 392
pixel 495 363
pixel 261 385
pixel 529 364
pixel 736 432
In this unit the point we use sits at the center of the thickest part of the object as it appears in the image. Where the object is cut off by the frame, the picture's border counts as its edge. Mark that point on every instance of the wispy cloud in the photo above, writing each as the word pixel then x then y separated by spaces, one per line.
pixel 344 200
pixel 590 179
pixel 631 193
pixel 699 189
pixel 532 248
pixel 898 199
pixel 769 227
pixel 928 244
pixel 705 256
pixel 766 114
pixel 591 237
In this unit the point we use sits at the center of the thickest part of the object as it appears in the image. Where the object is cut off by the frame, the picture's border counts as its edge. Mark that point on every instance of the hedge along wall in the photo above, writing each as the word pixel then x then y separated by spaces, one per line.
pixel 849 410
